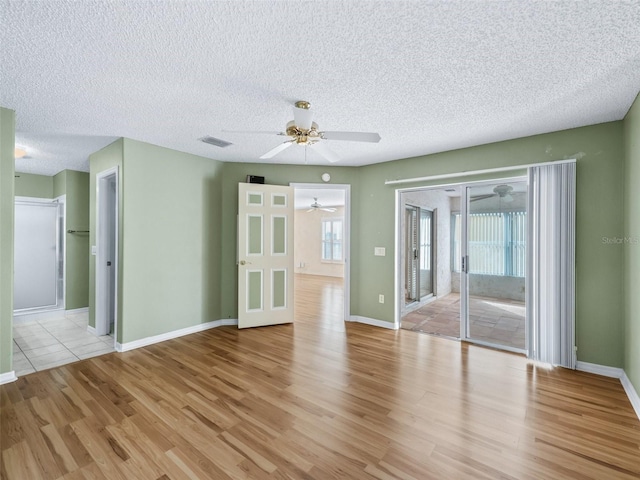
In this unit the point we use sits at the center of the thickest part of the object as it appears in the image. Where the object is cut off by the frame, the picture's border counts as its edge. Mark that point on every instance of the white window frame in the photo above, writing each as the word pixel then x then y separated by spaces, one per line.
pixel 332 220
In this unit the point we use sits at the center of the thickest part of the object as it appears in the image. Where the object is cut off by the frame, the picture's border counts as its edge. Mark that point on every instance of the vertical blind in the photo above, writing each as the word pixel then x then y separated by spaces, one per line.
pixel 497 243
pixel 551 264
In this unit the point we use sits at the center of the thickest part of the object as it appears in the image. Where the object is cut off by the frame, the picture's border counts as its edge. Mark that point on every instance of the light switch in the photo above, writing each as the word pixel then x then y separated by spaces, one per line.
pixel 379 251
pixel 93 250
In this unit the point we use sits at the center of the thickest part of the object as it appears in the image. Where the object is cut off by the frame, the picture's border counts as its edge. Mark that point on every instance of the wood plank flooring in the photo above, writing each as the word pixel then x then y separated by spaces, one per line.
pixel 315 400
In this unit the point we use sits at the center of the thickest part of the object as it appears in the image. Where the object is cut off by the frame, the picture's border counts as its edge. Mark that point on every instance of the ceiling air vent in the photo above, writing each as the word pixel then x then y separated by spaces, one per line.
pixel 215 141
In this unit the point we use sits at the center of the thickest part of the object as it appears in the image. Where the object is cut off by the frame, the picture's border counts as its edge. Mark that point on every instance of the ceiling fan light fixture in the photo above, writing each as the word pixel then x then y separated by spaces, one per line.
pixel 302 115
pixel 19 152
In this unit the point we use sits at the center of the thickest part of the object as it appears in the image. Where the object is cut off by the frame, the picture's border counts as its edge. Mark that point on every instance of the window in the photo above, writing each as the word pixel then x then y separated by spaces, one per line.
pixel 332 240
pixel 496 243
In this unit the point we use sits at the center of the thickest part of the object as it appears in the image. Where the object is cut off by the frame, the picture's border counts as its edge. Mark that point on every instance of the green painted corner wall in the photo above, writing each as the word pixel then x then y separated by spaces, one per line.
pixel 76 189
pixel 109 157
pixel 7 209
pixel 31 185
pixel 276 174
pixel 172 248
pixel 60 184
pixel 598 148
pixel 632 246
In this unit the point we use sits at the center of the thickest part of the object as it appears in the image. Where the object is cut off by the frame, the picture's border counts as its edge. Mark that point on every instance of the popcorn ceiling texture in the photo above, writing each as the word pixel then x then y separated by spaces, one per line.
pixel 428 76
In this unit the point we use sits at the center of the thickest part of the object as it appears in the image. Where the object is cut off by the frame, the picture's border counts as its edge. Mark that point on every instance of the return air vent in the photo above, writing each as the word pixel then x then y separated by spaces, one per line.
pixel 215 141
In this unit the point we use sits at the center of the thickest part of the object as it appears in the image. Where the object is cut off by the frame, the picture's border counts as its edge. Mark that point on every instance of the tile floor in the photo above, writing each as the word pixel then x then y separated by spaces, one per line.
pixel 493 320
pixel 42 344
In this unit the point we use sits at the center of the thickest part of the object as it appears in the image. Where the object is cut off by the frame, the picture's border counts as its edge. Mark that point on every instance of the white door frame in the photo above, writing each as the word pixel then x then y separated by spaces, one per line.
pixel 347 235
pixel 102 272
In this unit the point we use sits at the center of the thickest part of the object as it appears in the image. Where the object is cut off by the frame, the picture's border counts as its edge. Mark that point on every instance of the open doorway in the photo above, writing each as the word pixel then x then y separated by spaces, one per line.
pixel 107 253
pixel 321 253
pixel 470 246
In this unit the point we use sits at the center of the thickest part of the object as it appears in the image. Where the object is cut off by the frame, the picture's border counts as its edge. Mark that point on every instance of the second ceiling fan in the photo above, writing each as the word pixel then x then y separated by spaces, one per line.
pixel 304 131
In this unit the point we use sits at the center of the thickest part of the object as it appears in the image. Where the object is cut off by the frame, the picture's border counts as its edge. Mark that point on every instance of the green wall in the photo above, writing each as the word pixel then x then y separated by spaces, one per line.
pixel 7 170
pixel 110 156
pixel 632 246
pixel 171 274
pixel 75 185
pixel 169 264
pixel 31 185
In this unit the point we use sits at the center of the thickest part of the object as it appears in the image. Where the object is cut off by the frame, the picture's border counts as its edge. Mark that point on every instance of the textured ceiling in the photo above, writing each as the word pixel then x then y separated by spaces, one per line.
pixel 428 76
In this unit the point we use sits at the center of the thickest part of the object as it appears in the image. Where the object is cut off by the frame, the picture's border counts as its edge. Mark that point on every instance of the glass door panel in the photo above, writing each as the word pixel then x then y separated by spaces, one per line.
pixel 431 239
pixel 426 253
pixel 495 263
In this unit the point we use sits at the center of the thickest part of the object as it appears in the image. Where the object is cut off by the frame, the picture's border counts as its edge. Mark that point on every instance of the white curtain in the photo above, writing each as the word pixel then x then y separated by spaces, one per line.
pixel 551 264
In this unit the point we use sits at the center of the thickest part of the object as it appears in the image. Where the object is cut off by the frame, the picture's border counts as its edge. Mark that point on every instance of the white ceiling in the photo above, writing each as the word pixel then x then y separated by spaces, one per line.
pixel 327 197
pixel 428 76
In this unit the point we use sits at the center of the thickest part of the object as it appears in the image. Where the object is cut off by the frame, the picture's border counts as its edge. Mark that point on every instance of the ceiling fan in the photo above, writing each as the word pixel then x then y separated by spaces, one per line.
pixel 315 206
pixel 502 191
pixel 304 131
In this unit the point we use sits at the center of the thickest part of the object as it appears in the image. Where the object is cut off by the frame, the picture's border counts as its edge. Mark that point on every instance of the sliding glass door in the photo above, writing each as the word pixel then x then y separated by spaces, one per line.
pixel 494 261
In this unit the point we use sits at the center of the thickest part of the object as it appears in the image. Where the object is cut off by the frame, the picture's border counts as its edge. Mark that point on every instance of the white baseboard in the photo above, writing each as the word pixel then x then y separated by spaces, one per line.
pixel 373 321
pixel 634 398
pixel 76 311
pixel 92 330
pixel 603 370
pixel 143 342
pixel 614 373
pixel 8 377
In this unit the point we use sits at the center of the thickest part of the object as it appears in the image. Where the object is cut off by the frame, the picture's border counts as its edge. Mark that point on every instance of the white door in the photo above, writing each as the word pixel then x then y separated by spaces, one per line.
pixel 265 255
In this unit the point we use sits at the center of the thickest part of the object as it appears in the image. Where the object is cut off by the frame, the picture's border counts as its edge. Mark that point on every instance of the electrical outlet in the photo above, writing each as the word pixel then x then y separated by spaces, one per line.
pixel 381 298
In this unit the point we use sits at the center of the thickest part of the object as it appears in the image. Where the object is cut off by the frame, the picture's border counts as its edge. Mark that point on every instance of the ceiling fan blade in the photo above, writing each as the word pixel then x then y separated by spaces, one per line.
pixel 254 132
pixel 482 197
pixel 302 117
pixel 274 151
pixel 352 136
pixel 325 151
pixel 310 210
pixel 328 209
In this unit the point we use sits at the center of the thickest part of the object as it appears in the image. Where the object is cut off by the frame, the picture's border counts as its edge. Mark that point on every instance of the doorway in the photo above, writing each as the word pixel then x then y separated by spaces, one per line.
pixel 107 253
pixel 477 255
pixel 321 252
pixel 419 258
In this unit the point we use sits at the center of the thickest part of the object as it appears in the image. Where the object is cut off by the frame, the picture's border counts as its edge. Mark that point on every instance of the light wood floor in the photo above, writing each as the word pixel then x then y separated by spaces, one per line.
pixel 313 401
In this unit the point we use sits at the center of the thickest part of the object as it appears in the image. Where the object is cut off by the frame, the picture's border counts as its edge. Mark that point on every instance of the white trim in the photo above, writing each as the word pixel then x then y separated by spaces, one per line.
pixel 100 240
pixel 346 239
pixel 603 370
pixel 92 330
pixel 8 377
pixel 634 398
pixel 614 372
pixel 75 311
pixel 374 321
pixel 477 172
pixel 143 342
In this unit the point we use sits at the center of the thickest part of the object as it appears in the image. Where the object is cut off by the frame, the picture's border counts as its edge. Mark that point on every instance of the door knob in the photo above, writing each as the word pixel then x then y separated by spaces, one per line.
pixel 242 262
